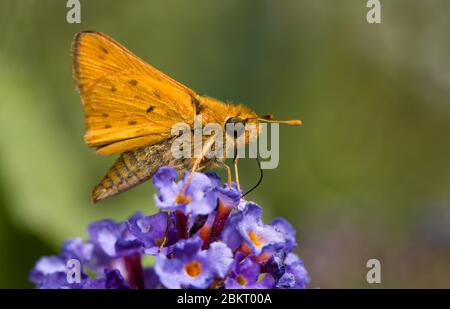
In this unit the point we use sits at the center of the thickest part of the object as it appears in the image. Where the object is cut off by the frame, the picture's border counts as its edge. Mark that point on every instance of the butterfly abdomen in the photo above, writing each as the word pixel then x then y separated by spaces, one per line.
pixel 133 168
pixel 127 172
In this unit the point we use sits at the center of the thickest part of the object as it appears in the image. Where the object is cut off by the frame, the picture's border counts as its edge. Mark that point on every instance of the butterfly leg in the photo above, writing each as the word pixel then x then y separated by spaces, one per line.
pixel 229 175
pixel 180 197
pixel 236 172
pixel 208 144
pixel 166 233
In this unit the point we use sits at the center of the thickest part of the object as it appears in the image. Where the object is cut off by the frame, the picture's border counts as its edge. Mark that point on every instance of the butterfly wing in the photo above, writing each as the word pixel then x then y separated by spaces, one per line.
pixel 127 102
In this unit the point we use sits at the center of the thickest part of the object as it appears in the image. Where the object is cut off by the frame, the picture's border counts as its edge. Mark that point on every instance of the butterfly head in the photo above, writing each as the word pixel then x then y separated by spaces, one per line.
pixel 236 120
pixel 242 120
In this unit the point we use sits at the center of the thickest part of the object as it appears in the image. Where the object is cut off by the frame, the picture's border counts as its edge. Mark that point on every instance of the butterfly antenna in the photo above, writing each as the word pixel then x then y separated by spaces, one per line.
pixel 269 119
pixel 261 174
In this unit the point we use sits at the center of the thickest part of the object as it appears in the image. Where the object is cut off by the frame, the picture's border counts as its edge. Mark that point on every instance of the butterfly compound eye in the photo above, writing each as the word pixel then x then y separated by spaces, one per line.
pixel 235 126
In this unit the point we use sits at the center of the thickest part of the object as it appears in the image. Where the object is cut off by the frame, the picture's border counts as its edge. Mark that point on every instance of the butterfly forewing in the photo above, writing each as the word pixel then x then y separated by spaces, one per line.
pixel 127 102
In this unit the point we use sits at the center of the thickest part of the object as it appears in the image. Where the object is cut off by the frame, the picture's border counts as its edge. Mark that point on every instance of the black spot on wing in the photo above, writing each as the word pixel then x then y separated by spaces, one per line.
pixel 198 106
pixel 103 49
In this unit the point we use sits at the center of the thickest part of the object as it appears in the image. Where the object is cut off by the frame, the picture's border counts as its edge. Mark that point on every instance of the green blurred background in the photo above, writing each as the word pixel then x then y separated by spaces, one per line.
pixel 367 176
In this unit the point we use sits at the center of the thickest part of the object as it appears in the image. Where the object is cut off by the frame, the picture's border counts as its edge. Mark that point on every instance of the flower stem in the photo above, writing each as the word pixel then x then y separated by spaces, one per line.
pixel 182 225
pixel 223 212
pixel 135 272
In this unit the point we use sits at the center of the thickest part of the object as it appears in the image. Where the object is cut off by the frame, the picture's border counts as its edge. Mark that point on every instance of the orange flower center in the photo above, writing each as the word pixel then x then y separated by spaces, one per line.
pixel 241 280
pixel 256 240
pixel 182 199
pixel 193 269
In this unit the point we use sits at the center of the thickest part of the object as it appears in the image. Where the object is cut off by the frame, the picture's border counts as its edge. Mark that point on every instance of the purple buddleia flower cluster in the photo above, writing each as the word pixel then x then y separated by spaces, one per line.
pixel 208 237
